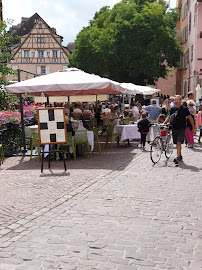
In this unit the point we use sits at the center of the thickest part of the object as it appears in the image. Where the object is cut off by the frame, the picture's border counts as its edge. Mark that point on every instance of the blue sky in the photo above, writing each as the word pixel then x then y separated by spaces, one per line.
pixel 67 16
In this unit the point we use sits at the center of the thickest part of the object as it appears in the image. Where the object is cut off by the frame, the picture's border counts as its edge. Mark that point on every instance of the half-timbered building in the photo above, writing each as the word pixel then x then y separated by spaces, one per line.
pixel 39 49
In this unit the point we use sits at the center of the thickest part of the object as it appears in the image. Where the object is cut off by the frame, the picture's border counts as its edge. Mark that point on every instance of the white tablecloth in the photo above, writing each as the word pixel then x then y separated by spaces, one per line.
pixel 90 135
pixel 34 129
pixel 128 132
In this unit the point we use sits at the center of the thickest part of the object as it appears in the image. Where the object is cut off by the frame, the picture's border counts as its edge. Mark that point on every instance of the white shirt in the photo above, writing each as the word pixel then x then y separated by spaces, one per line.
pixel 135 111
pixel 106 110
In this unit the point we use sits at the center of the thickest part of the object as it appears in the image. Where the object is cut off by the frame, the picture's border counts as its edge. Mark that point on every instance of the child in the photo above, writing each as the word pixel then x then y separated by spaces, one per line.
pixel 143 127
pixel 199 122
pixel 161 119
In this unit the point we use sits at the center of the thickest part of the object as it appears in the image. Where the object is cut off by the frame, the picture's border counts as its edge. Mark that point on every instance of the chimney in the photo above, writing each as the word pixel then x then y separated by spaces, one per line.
pixel 53 30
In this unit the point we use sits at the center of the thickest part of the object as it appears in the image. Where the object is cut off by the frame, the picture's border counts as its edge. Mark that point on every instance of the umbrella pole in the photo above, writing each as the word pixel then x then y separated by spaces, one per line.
pixel 22 120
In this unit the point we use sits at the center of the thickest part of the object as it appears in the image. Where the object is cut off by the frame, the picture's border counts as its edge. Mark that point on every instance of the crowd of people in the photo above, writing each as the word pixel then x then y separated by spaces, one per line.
pixel 186 113
pixel 183 114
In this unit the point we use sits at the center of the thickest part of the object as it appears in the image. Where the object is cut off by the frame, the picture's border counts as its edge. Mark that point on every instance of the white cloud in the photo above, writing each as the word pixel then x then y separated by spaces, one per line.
pixel 67 16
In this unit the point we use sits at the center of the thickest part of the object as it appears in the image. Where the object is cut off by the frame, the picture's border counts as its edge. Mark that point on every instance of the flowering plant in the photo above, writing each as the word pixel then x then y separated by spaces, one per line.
pixel 10 126
pixel 30 115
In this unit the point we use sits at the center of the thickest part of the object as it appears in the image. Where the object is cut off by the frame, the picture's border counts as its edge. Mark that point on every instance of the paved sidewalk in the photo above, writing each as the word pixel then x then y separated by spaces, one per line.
pixel 117 211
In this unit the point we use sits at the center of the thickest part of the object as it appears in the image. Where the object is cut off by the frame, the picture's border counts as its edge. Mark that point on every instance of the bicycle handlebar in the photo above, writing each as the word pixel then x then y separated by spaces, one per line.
pixel 161 125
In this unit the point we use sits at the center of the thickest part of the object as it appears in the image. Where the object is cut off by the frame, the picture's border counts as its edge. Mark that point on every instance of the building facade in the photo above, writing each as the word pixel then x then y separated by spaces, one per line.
pixel 1 11
pixel 189 33
pixel 39 49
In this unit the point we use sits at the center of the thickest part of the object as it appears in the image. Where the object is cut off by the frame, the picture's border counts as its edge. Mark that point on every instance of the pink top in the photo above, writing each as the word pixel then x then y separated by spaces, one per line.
pixel 199 119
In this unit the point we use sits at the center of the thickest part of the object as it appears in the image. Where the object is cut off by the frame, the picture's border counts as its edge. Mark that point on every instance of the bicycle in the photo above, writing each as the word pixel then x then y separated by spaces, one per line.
pixel 161 143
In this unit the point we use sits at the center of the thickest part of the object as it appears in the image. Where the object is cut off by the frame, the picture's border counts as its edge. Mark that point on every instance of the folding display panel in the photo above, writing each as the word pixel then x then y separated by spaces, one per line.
pixel 51 126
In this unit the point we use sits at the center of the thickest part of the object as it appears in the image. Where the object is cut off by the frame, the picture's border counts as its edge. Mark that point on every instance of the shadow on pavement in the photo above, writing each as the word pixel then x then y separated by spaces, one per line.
pixel 189 167
pixel 115 158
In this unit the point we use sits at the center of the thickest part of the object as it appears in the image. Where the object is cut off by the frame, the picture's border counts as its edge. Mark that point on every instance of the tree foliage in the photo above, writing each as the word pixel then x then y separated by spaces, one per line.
pixel 5 56
pixel 133 41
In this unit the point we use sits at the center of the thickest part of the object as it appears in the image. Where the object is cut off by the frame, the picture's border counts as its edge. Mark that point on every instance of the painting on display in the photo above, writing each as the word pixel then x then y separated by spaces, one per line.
pixel 51 126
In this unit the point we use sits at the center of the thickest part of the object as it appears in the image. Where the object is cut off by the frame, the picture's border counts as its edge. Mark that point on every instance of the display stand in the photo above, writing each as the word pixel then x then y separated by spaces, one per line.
pixel 52 130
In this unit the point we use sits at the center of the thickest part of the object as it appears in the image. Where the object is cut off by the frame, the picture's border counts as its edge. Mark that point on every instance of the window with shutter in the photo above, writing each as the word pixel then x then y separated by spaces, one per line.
pixel 190 23
pixel 38 70
pixel 186 32
pixel 43 70
pixel 192 52
pixel 182 12
pixel 40 54
pixel 26 54
pixel 188 57
pixel 55 54
pixel 40 40
pixel 47 70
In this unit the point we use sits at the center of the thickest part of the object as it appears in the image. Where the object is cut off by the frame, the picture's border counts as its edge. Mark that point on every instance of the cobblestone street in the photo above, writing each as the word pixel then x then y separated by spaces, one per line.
pixel 115 211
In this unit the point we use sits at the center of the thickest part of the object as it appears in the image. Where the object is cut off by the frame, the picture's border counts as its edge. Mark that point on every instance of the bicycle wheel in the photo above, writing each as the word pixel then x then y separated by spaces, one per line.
pixel 169 146
pixel 156 150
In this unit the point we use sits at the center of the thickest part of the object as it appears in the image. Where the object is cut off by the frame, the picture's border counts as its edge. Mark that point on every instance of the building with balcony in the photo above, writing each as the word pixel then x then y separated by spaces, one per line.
pixel 39 49
pixel 189 34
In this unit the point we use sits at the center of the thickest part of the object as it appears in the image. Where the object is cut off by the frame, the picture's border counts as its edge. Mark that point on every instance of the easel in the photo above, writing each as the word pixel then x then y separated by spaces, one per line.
pixel 49 157
pixel 51 126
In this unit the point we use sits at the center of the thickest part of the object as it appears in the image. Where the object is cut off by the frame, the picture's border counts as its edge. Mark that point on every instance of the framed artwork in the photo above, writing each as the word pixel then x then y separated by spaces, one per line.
pixel 51 126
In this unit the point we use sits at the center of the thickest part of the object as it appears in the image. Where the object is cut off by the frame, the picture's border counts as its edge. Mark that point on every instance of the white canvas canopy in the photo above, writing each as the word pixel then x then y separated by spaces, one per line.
pixel 68 82
pixel 139 89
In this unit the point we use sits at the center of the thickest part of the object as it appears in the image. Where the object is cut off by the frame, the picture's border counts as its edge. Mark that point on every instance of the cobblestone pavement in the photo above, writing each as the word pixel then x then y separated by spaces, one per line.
pixel 117 211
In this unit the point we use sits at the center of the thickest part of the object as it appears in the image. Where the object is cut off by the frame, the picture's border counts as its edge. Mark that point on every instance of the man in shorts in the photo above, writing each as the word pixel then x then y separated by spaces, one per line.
pixel 179 125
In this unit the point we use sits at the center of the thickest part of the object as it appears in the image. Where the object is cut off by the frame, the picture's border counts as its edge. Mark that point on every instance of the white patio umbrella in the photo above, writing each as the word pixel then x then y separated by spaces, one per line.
pixel 198 92
pixel 68 82
pixel 139 89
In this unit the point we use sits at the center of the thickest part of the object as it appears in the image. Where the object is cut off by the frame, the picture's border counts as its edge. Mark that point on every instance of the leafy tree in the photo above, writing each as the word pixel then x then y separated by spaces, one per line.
pixel 133 41
pixel 5 55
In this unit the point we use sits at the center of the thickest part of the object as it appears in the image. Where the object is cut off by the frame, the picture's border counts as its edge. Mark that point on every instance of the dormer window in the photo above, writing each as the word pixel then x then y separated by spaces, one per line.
pixel 40 40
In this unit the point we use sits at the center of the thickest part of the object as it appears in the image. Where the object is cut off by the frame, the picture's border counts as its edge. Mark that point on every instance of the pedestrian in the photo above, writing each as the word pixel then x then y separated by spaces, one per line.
pixel 143 127
pixel 177 118
pixel 153 114
pixel 190 95
pixel 166 107
pixel 198 104
pixel 199 123
pixel 161 120
pixel 188 132
pixel 135 113
pixel 172 101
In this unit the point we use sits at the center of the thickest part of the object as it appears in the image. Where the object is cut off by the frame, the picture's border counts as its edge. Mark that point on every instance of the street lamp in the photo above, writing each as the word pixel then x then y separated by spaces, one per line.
pixel 21 110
